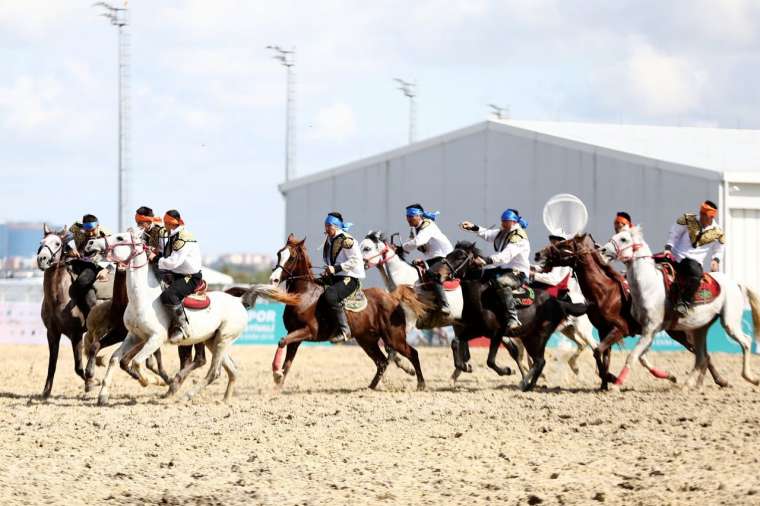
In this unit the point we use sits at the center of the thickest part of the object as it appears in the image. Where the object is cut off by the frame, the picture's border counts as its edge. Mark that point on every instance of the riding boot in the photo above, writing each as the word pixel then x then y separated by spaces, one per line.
pixel 510 309
pixel 343 333
pixel 687 290
pixel 440 298
pixel 179 328
pixel 87 302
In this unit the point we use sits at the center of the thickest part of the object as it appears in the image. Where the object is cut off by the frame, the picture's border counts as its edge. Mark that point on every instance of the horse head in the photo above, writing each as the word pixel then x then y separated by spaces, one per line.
pixel 564 253
pixel 373 248
pixel 459 261
pixel 292 261
pixel 623 245
pixel 120 248
pixel 51 247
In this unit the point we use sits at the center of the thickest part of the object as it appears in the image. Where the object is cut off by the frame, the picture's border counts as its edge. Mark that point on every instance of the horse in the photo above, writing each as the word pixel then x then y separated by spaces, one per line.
pixel 377 252
pixel 60 314
pixel 148 323
pixel 653 309
pixel 482 313
pixel 609 303
pixel 385 318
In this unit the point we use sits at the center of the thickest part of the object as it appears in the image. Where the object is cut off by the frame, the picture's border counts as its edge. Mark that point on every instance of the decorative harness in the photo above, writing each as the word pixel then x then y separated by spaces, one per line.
pixel 52 253
pixel 136 249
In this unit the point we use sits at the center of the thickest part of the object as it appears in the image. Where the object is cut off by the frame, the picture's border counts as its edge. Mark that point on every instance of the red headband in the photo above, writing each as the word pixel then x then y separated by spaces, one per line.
pixel 623 220
pixel 141 218
pixel 708 211
pixel 171 220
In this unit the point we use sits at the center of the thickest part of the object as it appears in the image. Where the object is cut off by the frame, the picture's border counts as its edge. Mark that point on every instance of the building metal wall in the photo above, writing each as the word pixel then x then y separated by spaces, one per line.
pixel 475 176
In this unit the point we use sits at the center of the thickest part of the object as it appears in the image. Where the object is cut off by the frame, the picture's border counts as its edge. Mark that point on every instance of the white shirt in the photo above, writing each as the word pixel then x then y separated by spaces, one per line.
pixel 509 255
pixel 349 259
pixel 680 244
pixel 186 260
pixel 430 236
pixel 554 276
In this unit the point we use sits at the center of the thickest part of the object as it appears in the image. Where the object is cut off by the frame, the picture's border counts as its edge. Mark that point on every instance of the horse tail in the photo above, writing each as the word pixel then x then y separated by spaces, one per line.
pixel 754 304
pixel 407 297
pixel 248 298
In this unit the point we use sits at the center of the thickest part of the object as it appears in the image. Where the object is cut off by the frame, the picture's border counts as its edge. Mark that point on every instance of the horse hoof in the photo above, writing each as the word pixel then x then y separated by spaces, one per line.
pixel 672 379
pixel 278 377
pixel 102 400
pixel 421 387
pixel 100 361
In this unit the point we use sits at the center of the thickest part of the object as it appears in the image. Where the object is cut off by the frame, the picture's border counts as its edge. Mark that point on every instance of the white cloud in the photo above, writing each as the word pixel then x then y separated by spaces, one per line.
pixel 31 103
pixel 333 123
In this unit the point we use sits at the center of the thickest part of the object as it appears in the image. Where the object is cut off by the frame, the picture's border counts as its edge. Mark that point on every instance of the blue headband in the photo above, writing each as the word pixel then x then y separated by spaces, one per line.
pixel 416 211
pixel 332 220
pixel 511 215
pixel 90 226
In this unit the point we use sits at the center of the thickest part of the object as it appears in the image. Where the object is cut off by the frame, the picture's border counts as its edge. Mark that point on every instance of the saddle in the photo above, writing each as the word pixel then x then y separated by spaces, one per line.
pixel 199 299
pixel 708 289
pixel 356 302
pixel 524 296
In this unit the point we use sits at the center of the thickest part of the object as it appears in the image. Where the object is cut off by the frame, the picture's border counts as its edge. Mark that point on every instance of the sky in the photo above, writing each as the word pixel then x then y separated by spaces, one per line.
pixel 207 115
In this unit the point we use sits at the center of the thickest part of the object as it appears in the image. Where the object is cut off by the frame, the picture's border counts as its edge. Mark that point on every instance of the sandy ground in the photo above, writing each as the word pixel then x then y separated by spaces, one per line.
pixel 325 439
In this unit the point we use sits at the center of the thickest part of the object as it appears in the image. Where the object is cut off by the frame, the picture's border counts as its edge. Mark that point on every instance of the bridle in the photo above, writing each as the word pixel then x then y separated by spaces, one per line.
pixel 633 246
pixel 52 253
pixel 383 259
pixel 136 249
pixel 290 275
pixel 453 271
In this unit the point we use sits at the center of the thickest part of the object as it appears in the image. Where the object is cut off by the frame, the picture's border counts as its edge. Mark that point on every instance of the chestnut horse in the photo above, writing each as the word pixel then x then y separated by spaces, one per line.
pixel 385 318
pixel 482 315
pixel 609 303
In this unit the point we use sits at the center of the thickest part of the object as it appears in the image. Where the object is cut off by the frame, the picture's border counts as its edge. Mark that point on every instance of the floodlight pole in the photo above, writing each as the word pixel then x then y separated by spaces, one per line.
pixel 499 112
pixel 287 60
pixel 410 91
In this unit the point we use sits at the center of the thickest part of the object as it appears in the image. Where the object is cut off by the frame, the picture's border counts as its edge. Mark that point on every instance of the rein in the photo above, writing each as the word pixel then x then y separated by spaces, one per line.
pixel 135 252
pixel 383 260
pixel 453 270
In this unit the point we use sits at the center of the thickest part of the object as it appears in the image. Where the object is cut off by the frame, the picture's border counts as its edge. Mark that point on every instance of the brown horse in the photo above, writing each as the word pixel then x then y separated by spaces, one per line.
pixel 609 302
pixel 385 318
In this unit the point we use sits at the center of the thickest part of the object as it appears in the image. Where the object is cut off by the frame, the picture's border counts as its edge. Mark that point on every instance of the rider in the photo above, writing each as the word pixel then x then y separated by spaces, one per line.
pixel 622 222
pixel 152 230
pixel 82 290
pixel 427 238
pixel 509 268
pixel 182 265
pixel 344 268
pixel 696 243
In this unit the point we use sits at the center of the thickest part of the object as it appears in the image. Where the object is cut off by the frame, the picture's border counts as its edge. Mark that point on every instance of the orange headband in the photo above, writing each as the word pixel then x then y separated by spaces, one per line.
pixel 140 218
pixel 623 220
pixel 708 211
pixel 171 220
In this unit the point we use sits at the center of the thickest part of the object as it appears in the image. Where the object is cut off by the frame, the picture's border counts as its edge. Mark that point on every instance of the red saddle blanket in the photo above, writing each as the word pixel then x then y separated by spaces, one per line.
pixel 524 296
pixel 451 285
pixel 708 289
pixel 199 298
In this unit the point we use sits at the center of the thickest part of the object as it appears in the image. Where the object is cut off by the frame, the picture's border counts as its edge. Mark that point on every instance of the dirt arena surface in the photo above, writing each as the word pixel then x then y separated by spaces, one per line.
pixel 325 439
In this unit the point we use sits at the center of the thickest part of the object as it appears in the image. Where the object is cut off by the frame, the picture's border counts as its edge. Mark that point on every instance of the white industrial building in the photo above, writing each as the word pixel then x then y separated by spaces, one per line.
pixel 654 173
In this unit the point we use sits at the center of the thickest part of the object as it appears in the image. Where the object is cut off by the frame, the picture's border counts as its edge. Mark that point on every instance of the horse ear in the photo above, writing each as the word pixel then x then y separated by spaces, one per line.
pixel 45 229
pixel 302 241
pixel 65 230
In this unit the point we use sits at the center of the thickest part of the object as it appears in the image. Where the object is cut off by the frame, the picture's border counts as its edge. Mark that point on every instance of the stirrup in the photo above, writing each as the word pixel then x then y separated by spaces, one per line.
pixel 342 337
pixel 681 308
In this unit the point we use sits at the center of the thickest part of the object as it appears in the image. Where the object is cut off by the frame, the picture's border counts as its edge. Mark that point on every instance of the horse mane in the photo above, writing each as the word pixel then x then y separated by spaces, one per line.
pixel 597 257
pixel 303 265
pixel 469 247
pixel 376 236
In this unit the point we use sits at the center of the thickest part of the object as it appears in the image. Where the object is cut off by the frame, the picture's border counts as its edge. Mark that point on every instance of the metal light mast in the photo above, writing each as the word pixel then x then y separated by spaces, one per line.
pixel 410 91
pixel 287 60
pixel 499 112
pixel 119 17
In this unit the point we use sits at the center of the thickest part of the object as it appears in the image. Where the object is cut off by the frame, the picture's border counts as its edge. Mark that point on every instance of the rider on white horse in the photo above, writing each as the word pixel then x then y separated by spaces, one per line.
pixel 427 238
pixel 622 222
pixel 181 263
pixel 87 270
pixel 696 244
pixel 344 268
pixel 509 267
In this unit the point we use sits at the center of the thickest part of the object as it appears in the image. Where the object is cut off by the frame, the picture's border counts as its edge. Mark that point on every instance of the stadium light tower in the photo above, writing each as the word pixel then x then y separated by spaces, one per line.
pixel 499 112
pixel 119 17
pixel 410 91
pixel 287 60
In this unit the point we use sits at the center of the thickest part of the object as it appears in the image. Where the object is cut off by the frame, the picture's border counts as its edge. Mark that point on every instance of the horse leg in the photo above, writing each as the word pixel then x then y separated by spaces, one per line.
pixel 89 371
pixel 218 352
pixel 398 341
pixel 293 337
pixel 460 348
pixel 654 371
pixel 734 330
pixel 290 355
pixel 54 342
pixel 645 341
pixel 130 342
pixel 572 333
pixel 231 369
pixel 536 352
pixel 602 357
pixel 77 344
pixel 493 348
pixel 699 339
pixel 152 344
pixel 158 367
pixel 393 356
pixel 372 349
pixel 516 350
pixel 126 359
pixel 187 365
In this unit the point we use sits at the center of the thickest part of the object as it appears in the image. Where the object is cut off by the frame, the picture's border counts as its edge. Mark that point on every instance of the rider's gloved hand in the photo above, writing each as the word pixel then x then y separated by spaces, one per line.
pixel 467 225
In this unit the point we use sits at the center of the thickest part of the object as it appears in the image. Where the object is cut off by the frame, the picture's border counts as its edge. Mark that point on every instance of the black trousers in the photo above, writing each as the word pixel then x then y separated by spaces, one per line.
pixel 180 286
pixel 501 278
pixel 337 289
pixel 87 273
pixel 689 277
pixel 429 273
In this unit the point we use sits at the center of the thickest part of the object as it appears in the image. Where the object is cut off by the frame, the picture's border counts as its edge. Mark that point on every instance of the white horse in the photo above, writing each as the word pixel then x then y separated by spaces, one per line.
pixel 395 271
pixel 653 311
pixel 148 322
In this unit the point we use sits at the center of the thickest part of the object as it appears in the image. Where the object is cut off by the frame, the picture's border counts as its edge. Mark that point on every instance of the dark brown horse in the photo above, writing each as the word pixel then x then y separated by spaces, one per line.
pixel 483 315
pixel 385 318
pixel 609 302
